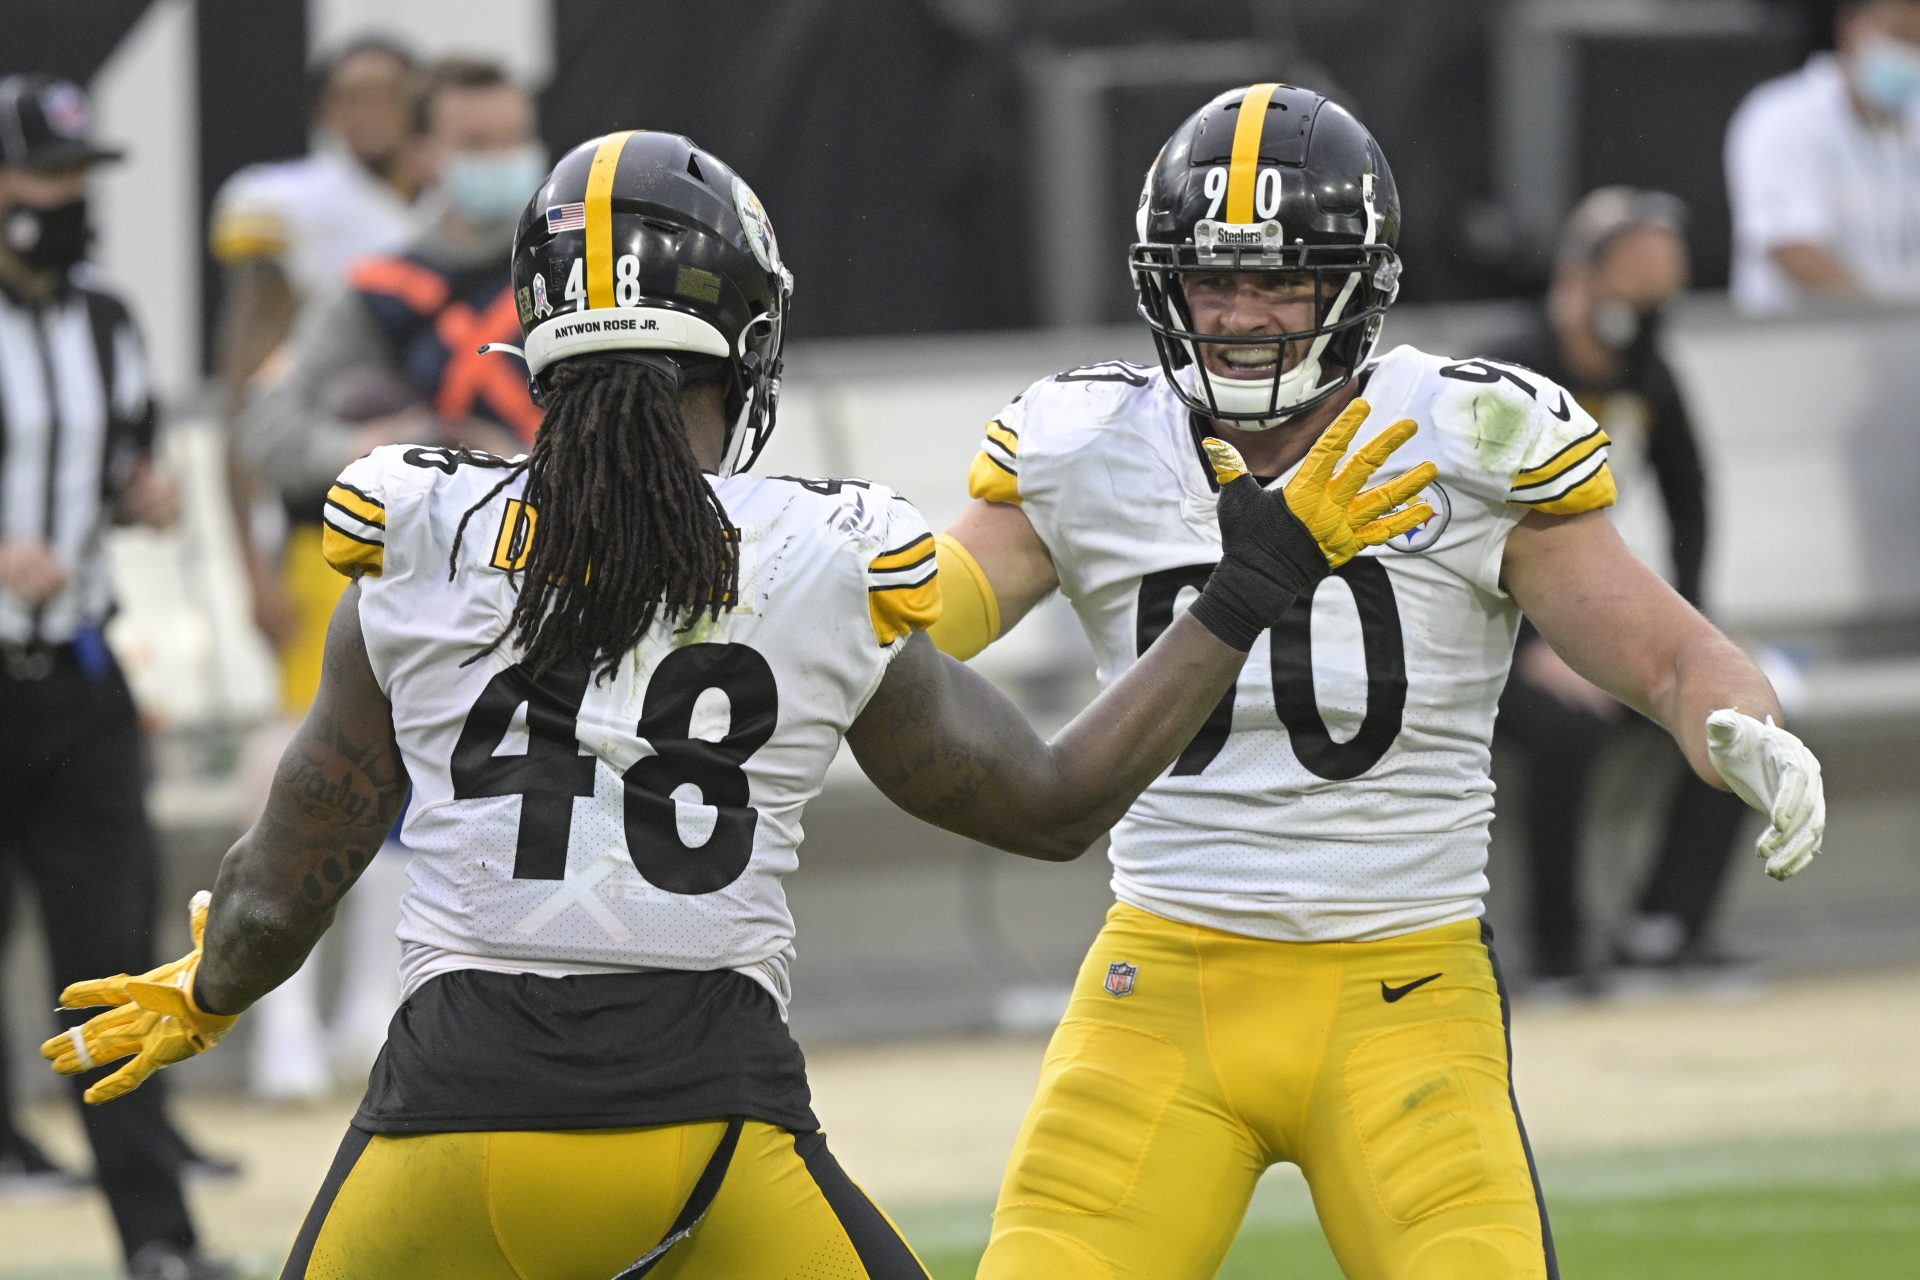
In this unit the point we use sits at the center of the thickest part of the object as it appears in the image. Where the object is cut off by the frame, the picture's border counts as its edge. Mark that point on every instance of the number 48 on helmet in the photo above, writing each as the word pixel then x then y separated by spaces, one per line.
pixel 641 246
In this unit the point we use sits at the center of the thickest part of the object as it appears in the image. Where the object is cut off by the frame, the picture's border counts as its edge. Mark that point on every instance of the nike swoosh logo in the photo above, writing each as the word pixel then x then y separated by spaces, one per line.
pixel 1390 994
pixel 1563 413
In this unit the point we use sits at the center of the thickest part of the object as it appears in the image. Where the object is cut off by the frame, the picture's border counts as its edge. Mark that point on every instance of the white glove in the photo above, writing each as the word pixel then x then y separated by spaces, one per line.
pixel 1774 772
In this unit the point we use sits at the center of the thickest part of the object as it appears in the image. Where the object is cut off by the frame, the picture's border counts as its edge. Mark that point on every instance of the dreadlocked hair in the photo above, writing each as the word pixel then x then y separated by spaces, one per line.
pixel 629 530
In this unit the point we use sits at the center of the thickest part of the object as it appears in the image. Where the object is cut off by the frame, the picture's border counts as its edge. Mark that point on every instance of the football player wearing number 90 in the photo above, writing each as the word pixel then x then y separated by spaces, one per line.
pixel 1295 970
pixel 614 671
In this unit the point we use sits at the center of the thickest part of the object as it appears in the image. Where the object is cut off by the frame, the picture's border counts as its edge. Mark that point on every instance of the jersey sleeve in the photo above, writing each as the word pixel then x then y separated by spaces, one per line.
pixel 1563 471
pixel 995 473
pixel 903 576
pixel 249 218
pixel 353 536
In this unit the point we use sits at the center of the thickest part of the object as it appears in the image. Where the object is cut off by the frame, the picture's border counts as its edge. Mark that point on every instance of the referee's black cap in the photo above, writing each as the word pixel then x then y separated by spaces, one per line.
pixel 47 123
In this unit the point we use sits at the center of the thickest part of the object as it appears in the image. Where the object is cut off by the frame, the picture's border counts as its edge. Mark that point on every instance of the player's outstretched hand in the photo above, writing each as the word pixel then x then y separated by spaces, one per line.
pixel 1276 544
pixel 154 1018
pixel 1774 772
pixel 1330 503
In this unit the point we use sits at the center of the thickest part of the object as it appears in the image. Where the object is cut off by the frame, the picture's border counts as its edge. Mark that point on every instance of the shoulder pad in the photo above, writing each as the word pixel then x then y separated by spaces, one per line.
pixel 1038 417
pixel 1525 432
pixel 353 534
pixel 250 217
pixel 360 505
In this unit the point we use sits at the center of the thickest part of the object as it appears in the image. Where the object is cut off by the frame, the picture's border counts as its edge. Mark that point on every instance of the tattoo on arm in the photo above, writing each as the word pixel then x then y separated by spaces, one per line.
pixel 334 797
pixel 942 743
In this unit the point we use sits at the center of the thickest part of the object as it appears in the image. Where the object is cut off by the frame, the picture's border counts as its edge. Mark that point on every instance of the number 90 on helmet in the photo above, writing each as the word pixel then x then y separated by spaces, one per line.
pixel 1274 179
pixel 642 246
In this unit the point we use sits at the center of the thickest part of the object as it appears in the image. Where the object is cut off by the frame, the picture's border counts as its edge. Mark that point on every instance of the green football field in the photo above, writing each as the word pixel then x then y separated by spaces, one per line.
pixel 1789 1209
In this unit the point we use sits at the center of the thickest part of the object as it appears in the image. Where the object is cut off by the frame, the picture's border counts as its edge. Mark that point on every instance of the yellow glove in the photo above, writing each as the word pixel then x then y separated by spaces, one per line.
pixel 156 1019
pixel 1341 518
pixel 1275 546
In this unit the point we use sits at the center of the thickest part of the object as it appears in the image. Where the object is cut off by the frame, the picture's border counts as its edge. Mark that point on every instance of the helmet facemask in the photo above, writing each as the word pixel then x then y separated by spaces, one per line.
pixel 1351 292
pixel 755 366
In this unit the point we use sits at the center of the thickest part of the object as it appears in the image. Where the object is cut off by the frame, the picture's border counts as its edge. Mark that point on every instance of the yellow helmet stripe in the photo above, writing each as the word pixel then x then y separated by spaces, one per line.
pixel 600 218
pixel 1244 169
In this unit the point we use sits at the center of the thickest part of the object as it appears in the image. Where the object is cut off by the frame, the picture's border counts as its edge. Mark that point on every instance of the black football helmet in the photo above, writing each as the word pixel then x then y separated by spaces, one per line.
pixel 1268 178
pixel 644 246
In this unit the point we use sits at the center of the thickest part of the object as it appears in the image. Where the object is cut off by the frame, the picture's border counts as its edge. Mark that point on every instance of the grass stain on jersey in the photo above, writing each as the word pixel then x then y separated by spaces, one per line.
pixel 1495 422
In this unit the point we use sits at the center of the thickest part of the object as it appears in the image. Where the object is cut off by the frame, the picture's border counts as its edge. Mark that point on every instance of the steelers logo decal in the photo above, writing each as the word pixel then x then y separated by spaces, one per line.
pixel 753 218
pixel 1421 539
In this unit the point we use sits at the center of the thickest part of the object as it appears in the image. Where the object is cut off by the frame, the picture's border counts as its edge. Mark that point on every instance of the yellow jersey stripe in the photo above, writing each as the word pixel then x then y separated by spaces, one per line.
pixel 992 480
pixel 606 159
pixel 1591 494
pixel 1571 456
pixel 903 557
pixel 350 555
pixel 1243 169
pixel 357 505
pixel 900 611
pixel 1004 436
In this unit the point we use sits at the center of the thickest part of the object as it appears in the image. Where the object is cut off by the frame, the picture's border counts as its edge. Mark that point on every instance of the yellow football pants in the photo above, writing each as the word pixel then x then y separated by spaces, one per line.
pixel 584 1204
pixel 1191 1059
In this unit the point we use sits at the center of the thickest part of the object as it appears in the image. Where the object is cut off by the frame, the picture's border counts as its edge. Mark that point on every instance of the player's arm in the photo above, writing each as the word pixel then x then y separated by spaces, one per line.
pixel 993 569
pixel 1814 267
pixel 286 433
pixel 337 791
pixel 256 318
pixel 1621 626
pixel 947 746
pixel 335 795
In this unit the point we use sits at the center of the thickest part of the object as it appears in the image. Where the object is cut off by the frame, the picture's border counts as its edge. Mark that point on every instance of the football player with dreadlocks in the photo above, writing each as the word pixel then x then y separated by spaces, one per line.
pixel 1296 970
pixel 614 671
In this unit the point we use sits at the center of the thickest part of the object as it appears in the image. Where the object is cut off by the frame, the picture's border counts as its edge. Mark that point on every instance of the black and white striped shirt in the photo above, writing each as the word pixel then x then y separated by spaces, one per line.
pixel 76 418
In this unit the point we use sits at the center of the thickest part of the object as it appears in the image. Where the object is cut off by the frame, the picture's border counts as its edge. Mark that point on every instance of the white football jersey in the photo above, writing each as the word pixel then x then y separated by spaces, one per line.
pixel 317 215
pixel 1341 789
pixel 583 825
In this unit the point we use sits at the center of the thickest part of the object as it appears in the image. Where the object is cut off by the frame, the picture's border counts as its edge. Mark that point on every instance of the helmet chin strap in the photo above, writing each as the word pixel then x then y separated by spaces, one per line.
pixel 1296 385
pixel 737 435
pixel 730 461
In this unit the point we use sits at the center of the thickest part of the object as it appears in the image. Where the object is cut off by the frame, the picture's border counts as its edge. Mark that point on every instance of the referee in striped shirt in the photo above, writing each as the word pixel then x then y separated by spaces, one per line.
pixel 76 432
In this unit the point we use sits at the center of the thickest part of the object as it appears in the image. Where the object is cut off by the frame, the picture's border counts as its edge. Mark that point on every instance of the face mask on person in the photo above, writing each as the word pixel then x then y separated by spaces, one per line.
pixel 47 237
pixel 491 187
pixel 1887 73
pixel 1632 333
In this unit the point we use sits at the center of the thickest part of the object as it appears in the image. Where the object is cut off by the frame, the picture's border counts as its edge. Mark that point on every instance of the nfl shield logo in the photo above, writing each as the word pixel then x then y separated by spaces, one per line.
pixel 1120 977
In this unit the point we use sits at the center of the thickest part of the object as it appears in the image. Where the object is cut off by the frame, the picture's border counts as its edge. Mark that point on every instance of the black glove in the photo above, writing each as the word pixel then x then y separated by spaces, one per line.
pixel 1267 558
pixel 1276 544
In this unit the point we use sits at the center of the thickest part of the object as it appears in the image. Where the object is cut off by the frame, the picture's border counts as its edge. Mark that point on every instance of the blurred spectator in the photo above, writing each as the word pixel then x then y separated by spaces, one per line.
pixel 1622 258
pixel 392 358
pixel 398 346
pixel 76 440
pixel 285 234
pixel 1823 168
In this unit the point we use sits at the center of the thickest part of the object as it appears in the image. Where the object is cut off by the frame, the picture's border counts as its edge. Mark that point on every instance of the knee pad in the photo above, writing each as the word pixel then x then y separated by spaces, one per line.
pixel 1093 1120
pixel 1484 1253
